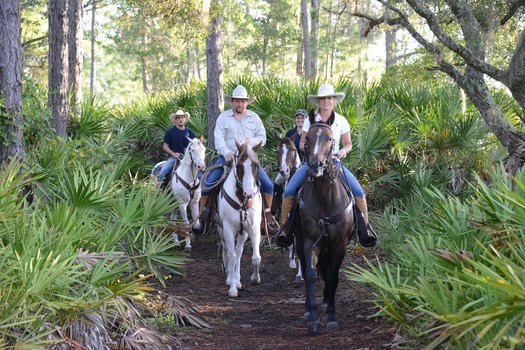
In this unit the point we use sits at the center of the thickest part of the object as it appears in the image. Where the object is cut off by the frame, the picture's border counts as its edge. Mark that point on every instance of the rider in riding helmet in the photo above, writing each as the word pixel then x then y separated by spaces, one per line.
pixel 245 126
pixel 175 141
pixel 325 100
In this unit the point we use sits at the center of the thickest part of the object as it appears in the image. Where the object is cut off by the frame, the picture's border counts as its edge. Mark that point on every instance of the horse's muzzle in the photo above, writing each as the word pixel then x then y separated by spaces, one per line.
pixel 315 168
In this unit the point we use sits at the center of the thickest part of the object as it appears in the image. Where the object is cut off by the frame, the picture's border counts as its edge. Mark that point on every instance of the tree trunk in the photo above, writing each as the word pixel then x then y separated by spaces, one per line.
pixel 58 66
pixel 306 38
pixel 299 64
pixel 215 84
pixel 12 124
pixel 143 66
pixel 92 71
pixel 390 47
pixel 314 37
pixel 76 52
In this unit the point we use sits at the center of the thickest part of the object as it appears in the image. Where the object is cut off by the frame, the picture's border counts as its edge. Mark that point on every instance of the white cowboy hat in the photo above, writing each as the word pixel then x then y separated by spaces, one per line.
pixel 241 93
pixel 326 90
pixel 178 113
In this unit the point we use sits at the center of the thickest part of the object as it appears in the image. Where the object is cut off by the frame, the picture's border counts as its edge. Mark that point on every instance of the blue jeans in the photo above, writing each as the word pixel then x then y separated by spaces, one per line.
pixel 215 174
pixel 300 174
pixel 166 168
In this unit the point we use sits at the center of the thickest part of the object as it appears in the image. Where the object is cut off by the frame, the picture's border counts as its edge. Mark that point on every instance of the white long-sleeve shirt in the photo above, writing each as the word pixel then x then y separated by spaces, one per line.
pixel 228 129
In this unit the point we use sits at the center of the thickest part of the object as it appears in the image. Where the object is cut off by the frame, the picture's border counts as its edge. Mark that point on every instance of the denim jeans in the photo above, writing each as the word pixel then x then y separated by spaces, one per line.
pixel 215 174
pixel 296 180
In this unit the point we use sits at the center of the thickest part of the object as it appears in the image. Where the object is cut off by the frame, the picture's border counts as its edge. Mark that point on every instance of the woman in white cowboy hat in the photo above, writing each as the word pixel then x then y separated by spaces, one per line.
pixel 242 125
pixel 175 141
pixel 325 100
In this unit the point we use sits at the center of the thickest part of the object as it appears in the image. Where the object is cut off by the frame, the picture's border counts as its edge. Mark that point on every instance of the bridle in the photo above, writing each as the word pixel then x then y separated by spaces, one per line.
pixel 194 174
pixel 327 162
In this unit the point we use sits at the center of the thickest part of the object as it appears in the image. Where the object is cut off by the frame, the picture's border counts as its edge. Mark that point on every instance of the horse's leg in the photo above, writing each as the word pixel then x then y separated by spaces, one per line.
pixel 173 216
pixel 231 257
pixel 239 247
pixel 291 256
pixel 309 281
pixel 256 255
pixel 332 282
pixel 184 214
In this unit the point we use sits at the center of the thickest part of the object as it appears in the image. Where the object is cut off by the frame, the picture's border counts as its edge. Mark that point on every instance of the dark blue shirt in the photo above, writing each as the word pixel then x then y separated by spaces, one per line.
pixel 290 134
pixel 176 139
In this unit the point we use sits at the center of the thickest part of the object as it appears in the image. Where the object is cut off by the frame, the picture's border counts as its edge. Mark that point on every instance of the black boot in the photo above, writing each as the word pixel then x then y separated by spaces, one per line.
pixel 205 204
pixel 198 226
pixel 277 198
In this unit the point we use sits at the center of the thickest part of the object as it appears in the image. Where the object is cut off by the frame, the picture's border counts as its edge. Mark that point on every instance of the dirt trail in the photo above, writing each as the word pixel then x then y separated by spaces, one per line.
pixel 269 315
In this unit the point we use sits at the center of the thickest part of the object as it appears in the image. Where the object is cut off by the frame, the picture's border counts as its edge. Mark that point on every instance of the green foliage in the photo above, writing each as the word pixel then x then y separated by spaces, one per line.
pixel 462 266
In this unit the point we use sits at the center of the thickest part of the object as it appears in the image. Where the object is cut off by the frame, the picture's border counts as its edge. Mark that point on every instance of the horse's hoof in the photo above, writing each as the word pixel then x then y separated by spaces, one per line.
pixel 292 265
pixel 313 326
pixel 188 249
pixel 256 281
pixel 233 294
pixel 332 325
pixel 298 279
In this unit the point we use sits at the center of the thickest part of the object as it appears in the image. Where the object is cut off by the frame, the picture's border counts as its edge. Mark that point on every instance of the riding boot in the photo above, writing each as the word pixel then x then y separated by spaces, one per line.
pixel 271 224
pixel 284 238
pixel 205 207
pixel 363 207
pixel 277 198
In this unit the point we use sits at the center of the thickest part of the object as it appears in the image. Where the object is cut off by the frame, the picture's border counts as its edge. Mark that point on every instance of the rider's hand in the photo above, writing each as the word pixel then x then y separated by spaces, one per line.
pixel 340 154
pixel 229 157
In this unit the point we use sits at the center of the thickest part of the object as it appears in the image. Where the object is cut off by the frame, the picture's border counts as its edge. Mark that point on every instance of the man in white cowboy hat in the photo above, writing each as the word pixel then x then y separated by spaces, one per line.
pixel 175 141
pixel 325 100
pixel 242 125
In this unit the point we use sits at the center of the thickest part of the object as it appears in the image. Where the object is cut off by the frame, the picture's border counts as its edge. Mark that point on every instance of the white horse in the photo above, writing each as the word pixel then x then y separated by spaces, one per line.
pixel 185 186
pixel 239 213
pixel 289 161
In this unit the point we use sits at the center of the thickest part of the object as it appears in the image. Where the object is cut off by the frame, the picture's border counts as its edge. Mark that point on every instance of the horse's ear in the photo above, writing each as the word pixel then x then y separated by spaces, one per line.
pixel 294 136
pixel 188 138
pixel 201 138
pixel 278 137
pixel 256 147
pixel 239 146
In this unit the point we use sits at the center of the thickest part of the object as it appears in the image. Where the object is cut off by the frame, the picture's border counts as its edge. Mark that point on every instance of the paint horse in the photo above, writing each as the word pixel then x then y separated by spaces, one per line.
pixel 185 186
pixel 323 223
pixel 239 214
pixel 288 160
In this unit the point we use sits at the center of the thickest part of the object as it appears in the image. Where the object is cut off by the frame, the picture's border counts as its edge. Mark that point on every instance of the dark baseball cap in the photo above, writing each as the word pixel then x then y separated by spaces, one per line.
pixel 301 112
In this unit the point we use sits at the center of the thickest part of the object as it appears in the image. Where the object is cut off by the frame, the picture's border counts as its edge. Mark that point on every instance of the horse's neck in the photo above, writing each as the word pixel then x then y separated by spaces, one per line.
pixel 185 169
pixel 330 193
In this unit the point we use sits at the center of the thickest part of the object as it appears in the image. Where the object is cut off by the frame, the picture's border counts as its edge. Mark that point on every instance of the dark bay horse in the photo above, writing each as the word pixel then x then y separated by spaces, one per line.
pixel 323 225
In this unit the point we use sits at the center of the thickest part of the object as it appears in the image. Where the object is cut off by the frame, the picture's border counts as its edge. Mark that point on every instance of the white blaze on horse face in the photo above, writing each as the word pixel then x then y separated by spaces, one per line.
pixel 248 180
pixel 284 166
pixel 317 145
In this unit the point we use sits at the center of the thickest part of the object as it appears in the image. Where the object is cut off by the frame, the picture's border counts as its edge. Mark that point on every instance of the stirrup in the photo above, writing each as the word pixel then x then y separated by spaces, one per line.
pixel 282 238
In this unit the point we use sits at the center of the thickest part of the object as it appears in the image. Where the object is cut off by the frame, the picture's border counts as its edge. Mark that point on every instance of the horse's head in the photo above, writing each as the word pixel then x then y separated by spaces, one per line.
pixel 197 153
pixel 318 149
pixel 287 156
pixel 246 167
